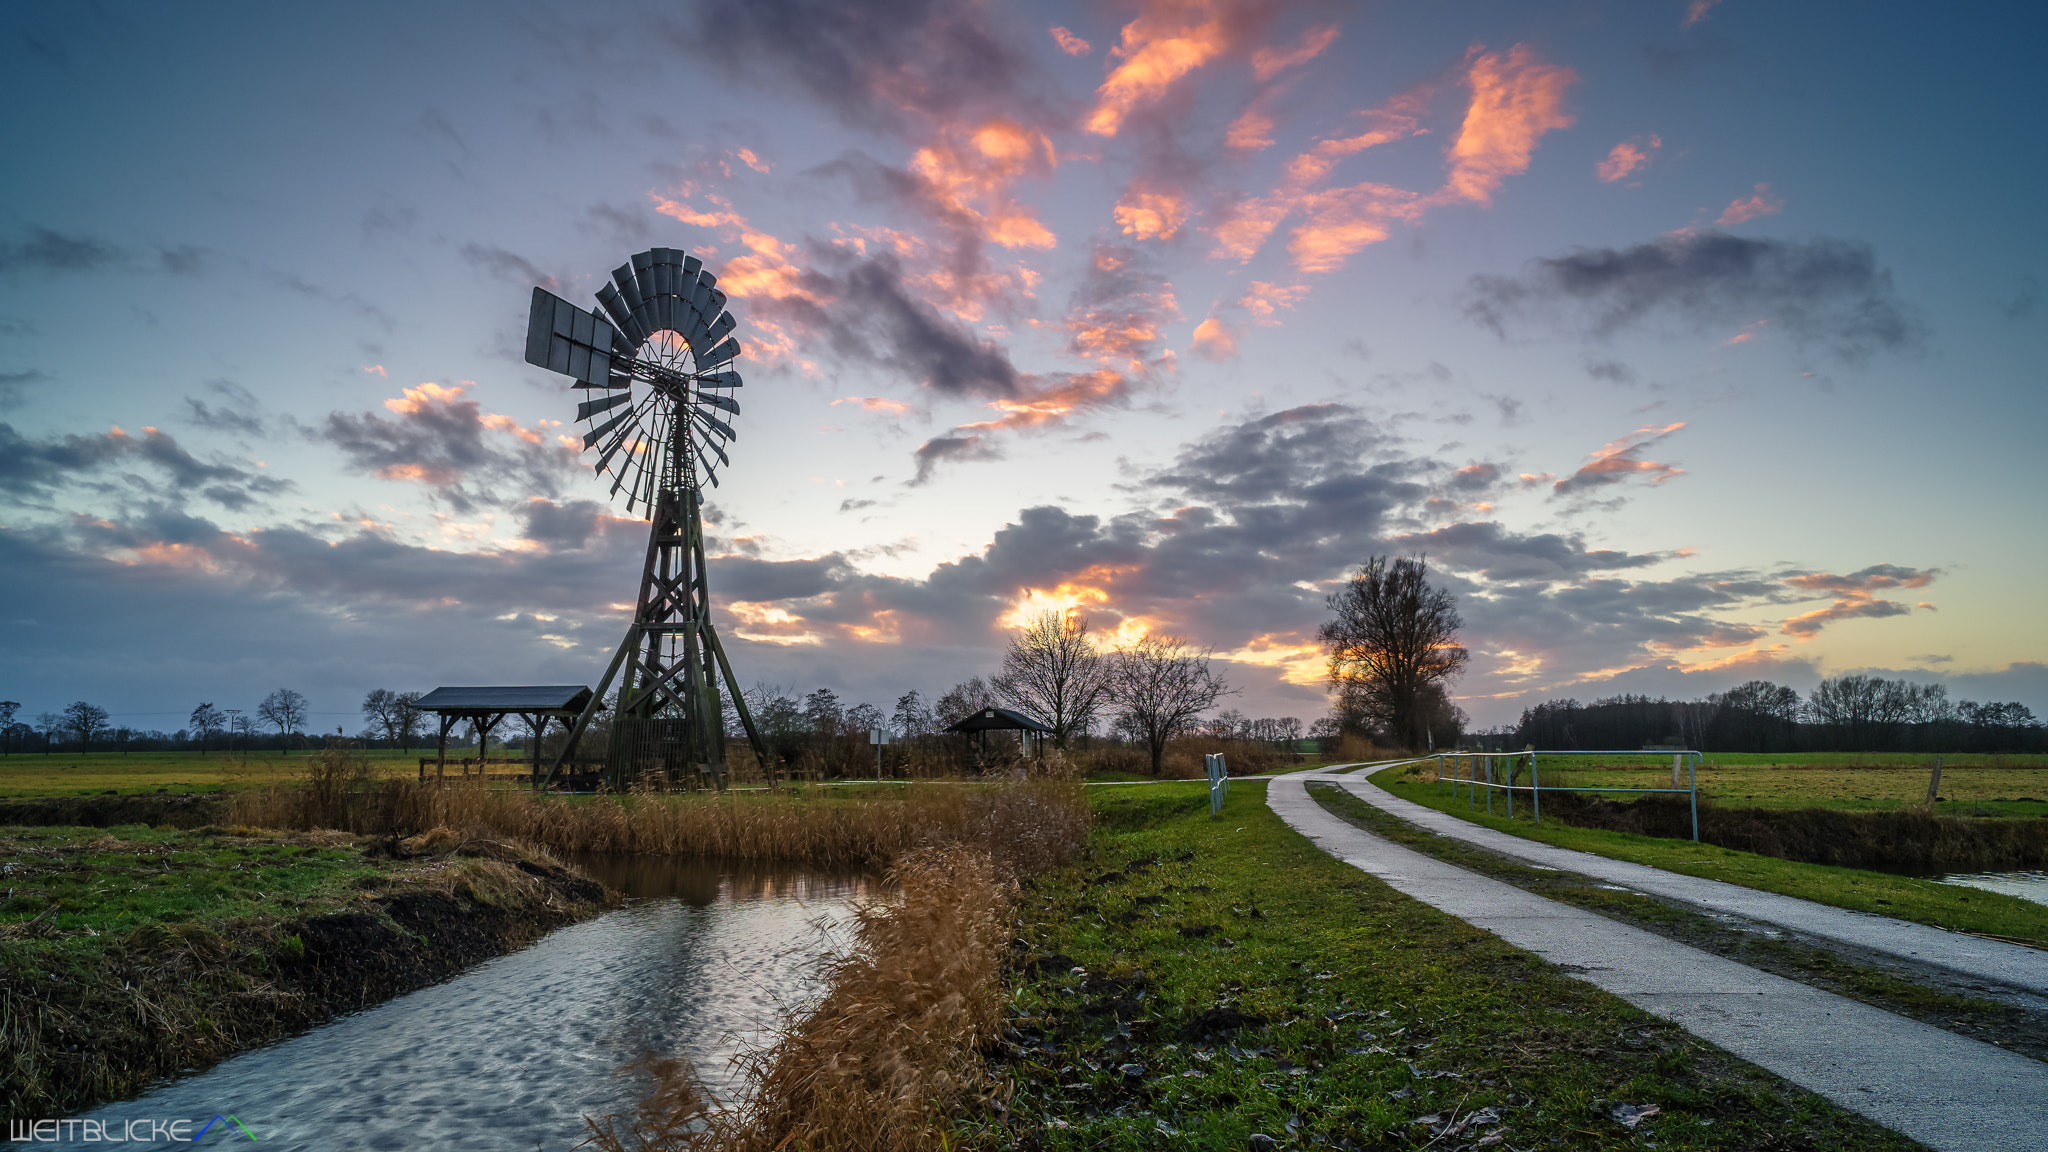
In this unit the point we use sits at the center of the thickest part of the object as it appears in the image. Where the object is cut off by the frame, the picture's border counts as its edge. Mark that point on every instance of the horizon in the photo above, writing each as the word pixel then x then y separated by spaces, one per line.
pixel 1689 342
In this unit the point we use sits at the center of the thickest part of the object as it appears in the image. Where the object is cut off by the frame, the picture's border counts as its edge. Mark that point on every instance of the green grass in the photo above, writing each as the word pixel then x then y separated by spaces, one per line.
pixel 97 882
pixel 83 774
pixel 1924 901
pixel 1380 1022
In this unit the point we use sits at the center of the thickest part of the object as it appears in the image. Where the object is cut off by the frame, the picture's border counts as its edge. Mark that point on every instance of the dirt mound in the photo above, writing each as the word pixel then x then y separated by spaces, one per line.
pixel 184 811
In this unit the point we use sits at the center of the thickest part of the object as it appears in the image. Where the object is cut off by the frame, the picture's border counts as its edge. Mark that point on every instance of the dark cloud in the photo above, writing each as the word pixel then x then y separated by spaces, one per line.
pixel 33 467
pixel 37 468
pixel 1490 550
pixel 562 527
pixel 873 63
pixel 440 438
pixel 507 266
pixel 1825 292
pixel 2023 300
pixel 184 260
pixel 872 318
pixel 13 384
pixel 950 449
pixel 49 251
pixel 1612 371
pixel 852 505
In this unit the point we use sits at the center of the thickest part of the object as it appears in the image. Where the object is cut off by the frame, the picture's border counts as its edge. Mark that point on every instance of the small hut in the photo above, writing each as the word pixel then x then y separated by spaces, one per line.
pixel 990 720
pixel 485 707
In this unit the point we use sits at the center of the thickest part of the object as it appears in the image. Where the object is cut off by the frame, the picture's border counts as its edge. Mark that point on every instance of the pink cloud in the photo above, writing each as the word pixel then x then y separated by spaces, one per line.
pixel 1619 459
pixel 1627 157
pixel 1515 100
pixel 1213 341
pixel 1270 62
pixel 1760 204
pixel 1149 214
pixel 1697 11
pixel 1069 43
pixel 1168 40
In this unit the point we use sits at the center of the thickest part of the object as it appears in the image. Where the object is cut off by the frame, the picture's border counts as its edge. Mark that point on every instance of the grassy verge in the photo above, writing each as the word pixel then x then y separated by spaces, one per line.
pixel 1222 984
pixel 1930 996
pixel 1924 901
pixel 1978 786
pixel 173 773
pixel 130 953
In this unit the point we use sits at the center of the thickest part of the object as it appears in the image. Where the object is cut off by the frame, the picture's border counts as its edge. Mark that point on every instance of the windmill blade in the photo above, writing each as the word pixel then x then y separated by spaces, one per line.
pixel 540 325
pixel 725 402
pixel 716 450
pixel 629 288
pixel 561 337
pixel 692 266
pixel 598 433
pixel 719 330
pixel 713 424
pixel 719 380
pixel 616 307
pixel 589 408
pixel 719 355
pixel 710 473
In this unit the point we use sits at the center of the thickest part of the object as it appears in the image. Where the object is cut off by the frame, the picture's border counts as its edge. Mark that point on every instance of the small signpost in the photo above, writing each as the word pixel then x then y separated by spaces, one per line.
pixel 1219 781
pixel 878 737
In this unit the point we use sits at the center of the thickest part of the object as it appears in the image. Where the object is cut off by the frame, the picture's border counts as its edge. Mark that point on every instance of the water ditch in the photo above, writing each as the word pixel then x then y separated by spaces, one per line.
pixel 515 1052
pixel 2027 885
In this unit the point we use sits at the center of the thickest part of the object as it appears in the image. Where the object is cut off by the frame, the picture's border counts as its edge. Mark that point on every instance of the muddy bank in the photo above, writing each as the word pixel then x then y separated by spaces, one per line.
pixel 1908 842
pixel 190 810
pixel 87 1017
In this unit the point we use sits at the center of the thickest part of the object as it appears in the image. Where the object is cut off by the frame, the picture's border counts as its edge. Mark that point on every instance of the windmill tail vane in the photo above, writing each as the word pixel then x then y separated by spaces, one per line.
pixel 654 360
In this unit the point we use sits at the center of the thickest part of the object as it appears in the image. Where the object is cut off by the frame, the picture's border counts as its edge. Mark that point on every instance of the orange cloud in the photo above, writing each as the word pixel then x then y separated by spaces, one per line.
pixel 1847 606
pixel 1245 232
pixel 1264 300
pixel 748 158
pixel 1628 156
pixel 1871 579
pixel 1344 220
pixel 766 270
pixel 1213 341
pixel 376 368
pixel 1760 204
pixel 1252 129
pixel 1697 11
pixel 1069 43
pixel 1169 39
pixel 1054 402
pixel 1515 100
pixel 971 179
pixel 414 401
pixel 1270 62
pixel 1151 215
pixel 875 404
pixel 1618 459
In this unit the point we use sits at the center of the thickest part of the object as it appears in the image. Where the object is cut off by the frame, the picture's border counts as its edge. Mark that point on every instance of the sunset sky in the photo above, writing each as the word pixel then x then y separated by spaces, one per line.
pixel 1693 342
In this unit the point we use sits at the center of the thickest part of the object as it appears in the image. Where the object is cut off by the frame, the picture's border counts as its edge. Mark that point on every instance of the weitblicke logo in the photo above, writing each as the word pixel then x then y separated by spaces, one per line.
pixel 81 1130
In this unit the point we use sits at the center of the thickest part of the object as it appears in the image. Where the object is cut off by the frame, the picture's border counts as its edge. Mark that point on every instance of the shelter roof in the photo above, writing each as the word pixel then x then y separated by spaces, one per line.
pixel 1003 719
pixel 506 698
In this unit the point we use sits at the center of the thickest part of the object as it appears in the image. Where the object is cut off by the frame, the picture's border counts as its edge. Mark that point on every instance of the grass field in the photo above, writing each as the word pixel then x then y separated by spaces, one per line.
pixel 1925 901
pixel 1198 980
pixel 80 774
pixel 1970 785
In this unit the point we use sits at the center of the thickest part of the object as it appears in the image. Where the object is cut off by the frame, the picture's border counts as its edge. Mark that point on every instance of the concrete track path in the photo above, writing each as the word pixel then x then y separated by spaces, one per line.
pixel 1941 1089
pixel 2013 965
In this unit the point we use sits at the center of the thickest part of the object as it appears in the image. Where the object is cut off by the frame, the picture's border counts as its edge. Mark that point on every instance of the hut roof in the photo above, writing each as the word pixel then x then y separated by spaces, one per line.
pixel 555 698
pixel 1003 719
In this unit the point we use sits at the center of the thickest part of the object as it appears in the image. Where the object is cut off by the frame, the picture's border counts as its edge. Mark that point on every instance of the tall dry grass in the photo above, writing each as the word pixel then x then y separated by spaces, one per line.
pixel 1024 822
pixel 892 1051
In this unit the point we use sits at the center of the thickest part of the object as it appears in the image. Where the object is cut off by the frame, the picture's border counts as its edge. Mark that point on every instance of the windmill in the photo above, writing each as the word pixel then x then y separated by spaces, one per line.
pixel 656 367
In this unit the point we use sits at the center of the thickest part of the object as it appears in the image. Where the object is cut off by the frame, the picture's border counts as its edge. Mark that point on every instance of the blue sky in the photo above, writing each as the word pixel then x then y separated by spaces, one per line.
pixel 1694 343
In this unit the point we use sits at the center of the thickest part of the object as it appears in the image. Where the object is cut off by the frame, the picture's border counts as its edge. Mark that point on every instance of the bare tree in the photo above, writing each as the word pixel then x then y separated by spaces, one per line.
pixel 961 701
pixel 381 707
pixel 86 720
pixel 1053 674
pixel 912 718
pixel 49 724
pixel 406 717
pixel 1393 647
pixel 7 710
pixel 206 720
pixel 1159 685
pixel 284 709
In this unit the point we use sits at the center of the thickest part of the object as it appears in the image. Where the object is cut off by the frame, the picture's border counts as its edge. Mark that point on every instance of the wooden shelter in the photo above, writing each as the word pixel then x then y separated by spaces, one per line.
pixel 485 707
pixel 989 720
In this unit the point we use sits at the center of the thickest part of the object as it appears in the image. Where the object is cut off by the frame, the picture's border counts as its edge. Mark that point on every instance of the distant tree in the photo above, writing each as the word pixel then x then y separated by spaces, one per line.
pixel 406 718
pixel 1053 674
pixel 205 721
pixel 1159 685
pixel 961 701
pixel 49 724
pixel 862 719
pixel 285 710
pixel 1757 716
pixel 911 718
pixel 385 710
pixel 85 719
pixel 7 710
pixel 823 714
pixel 1394 638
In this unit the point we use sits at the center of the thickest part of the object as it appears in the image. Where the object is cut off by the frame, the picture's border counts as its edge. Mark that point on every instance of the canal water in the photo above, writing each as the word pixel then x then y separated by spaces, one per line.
pixel 516 1052
pixel 2025 885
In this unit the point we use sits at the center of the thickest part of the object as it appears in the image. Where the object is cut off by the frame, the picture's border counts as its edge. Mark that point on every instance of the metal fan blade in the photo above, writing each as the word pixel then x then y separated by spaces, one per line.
pixel 598 433
pixel 709 472
pixel 720 328
pixel 719 380
pixel 718 451
pixel 726 402
pixel 540 326
pixel 629 288
pixel 643 276
pixel 621 313
pixel 715 425
pixel 589 408
pixel 692 266
pixel 719 355
pixel 698 293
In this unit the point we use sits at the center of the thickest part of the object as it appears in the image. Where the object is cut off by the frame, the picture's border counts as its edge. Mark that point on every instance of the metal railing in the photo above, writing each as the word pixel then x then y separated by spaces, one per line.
pixel 1465 768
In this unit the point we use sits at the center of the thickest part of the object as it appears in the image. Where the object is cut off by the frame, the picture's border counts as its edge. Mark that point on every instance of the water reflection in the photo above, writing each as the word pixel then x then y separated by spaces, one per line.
pixel 2025 885
pixel 515 1052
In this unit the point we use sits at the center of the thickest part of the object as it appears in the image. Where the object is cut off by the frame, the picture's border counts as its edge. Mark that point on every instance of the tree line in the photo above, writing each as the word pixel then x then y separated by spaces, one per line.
pixel 84 726
pixel 1842 714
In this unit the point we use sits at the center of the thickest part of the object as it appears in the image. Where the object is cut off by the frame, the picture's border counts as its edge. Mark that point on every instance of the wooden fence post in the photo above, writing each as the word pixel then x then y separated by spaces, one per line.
pixel 1934 782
